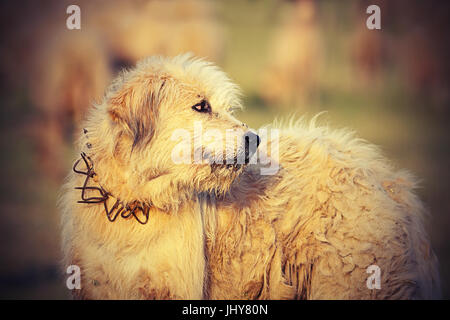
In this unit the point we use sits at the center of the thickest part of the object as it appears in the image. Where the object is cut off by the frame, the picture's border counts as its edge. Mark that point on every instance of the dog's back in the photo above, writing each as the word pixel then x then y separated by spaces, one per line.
pixel 334 215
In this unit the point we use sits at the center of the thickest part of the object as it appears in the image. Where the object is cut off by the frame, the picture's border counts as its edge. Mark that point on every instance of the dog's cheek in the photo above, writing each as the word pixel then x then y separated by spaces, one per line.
pixel 123 143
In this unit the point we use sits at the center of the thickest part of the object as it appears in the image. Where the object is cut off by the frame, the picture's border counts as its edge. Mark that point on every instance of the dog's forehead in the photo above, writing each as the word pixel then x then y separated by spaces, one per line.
pixel 206 80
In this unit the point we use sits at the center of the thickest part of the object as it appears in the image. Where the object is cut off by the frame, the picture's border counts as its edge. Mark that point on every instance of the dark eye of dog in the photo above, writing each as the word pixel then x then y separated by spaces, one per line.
pixel 202 106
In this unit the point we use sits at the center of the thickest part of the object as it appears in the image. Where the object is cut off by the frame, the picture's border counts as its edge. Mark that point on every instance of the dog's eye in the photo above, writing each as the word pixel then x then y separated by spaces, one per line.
pixel 202 106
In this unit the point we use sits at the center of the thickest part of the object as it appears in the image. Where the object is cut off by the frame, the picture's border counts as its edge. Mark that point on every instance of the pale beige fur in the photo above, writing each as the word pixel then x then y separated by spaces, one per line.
pixel 310 231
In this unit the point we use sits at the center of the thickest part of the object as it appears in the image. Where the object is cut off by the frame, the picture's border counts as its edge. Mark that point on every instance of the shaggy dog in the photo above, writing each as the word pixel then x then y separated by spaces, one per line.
pixel 141 224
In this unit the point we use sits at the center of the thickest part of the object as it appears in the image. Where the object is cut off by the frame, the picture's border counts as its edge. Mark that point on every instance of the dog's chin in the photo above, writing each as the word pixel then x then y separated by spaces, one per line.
pixel 225 175
pixel 217 178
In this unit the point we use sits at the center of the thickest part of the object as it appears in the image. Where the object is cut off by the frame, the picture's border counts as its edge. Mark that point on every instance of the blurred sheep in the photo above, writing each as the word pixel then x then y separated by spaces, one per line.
pixel 71 72
pixel 368 54
pixel 294 58
pixel 136 29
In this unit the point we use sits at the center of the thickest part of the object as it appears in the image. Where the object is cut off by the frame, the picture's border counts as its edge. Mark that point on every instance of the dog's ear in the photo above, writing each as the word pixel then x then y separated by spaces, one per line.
pixel 118 106
pixel 134 107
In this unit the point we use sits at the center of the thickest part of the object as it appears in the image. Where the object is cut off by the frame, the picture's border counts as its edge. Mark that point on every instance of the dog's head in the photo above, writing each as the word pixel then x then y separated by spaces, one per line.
pixel 168 124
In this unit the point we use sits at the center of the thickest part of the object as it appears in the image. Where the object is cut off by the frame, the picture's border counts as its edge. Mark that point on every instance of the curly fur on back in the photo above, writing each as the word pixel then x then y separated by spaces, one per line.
pixel 335 208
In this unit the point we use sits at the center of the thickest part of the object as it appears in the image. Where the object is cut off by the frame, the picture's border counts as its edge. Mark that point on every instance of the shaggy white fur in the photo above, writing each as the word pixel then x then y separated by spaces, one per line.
pixel 311 231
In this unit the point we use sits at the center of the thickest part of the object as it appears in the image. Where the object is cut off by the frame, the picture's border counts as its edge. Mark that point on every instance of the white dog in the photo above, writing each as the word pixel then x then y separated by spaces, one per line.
pixel 143 226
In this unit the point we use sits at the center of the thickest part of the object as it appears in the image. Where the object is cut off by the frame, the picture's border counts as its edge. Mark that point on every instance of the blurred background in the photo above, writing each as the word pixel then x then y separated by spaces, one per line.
pixel 390 85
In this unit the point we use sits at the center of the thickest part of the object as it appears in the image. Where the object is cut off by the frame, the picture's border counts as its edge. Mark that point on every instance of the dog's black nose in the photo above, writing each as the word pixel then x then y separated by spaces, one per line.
pixel 252 141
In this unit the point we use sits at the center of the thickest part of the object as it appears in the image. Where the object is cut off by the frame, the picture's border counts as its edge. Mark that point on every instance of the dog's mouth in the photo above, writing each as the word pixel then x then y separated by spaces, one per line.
pixel 250 145
pixel 231 167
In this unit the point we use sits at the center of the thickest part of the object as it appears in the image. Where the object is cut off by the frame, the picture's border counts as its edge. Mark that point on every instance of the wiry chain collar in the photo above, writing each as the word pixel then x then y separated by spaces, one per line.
pixel 125 211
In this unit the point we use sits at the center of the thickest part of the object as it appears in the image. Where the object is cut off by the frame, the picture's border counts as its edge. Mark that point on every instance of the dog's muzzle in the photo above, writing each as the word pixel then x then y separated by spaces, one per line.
pixel 251 141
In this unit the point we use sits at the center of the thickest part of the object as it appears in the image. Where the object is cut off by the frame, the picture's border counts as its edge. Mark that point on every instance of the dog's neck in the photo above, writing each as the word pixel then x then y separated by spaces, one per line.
pixel 111 178
pixel 136 209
